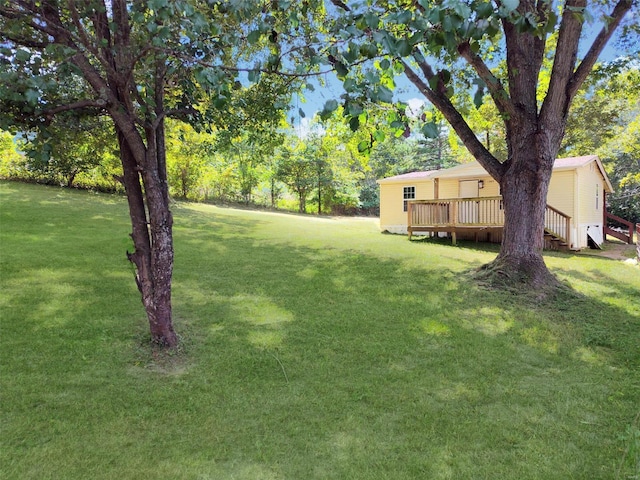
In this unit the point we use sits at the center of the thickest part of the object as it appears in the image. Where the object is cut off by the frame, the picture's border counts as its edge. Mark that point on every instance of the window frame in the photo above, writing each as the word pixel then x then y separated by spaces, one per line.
pixel 408 193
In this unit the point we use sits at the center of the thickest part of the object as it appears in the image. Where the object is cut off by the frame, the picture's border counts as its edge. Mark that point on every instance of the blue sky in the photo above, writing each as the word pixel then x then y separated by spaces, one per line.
pixel 405 91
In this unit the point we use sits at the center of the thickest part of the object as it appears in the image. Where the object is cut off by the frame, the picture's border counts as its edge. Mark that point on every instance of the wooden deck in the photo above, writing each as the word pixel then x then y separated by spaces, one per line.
pixel 475 216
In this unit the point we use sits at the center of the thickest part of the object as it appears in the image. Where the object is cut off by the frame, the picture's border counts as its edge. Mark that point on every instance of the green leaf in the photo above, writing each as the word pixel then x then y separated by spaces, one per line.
pixel 551 23
pixel 368 50
pixel 462 10
pixel 385 95
pixel 329 107
pixel 354 109
pixel 364 147
pixel 354 124
pixel 31 96
pixel 510 5
pixel 478 97
pixel 404 17
pixel 403 47
pixel 416 38
pixel 372 20
pixel 430 130
pixel 254 36
pixel 22 55
pixel 349 85
pixel 484 10
pixel 156 5
pixel 254 76
pixel 379 136
pixel 341 69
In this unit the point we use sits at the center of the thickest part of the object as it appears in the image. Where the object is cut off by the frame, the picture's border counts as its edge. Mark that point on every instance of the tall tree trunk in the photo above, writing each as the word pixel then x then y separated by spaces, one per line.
pixel 524 187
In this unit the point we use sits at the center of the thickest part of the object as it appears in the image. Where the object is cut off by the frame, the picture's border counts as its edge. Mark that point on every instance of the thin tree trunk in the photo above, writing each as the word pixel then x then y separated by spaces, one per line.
pixel 161 231
pixel 302 202
pixel 153 250
pixel 273 193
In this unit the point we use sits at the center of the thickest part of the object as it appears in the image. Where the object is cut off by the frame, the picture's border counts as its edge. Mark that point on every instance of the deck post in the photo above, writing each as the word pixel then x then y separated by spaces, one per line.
pixel 454 214
pixel 409 208
pixel 604 215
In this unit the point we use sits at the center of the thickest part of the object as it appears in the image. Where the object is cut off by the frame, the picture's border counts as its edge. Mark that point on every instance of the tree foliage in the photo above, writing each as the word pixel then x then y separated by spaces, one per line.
pixel 139 63
pixel 439 46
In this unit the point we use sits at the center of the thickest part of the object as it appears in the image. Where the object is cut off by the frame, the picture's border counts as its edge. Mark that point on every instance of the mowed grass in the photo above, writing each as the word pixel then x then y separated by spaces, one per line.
pixel 312 348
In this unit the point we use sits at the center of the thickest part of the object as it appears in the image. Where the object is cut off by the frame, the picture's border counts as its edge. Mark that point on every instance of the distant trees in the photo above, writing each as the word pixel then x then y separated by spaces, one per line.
pixel 70 146
pixel 297 171
pixel 12 164
pixel 187 152
pixel 606 120
pixel 621 157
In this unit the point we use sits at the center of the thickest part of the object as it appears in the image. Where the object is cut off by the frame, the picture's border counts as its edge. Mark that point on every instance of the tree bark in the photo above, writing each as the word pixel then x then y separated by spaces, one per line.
pixel 152 241
pixel 524 188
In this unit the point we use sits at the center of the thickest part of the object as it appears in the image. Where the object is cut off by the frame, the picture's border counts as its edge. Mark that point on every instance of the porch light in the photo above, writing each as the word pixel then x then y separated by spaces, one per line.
pixel 480 183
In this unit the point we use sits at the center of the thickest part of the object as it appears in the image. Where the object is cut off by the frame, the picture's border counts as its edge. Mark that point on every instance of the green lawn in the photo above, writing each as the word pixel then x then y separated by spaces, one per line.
pixel 312 348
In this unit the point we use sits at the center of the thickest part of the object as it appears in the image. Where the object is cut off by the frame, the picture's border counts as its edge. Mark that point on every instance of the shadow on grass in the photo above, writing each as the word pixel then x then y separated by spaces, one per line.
pixel 392 354
pixel 306 361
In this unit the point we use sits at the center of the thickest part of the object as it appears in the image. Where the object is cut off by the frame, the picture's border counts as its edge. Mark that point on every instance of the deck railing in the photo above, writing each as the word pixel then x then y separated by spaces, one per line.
pixel 444 214
pixel 625 236
pixel 456 212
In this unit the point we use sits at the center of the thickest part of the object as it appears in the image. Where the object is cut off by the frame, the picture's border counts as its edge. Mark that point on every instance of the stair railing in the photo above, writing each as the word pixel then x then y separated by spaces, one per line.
pixel 558 224
pixel 627 236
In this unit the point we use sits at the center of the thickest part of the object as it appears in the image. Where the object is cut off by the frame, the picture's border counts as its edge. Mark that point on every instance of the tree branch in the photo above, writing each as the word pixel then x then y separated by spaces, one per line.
pixel 495 87
pixel 102 34
pixel 341 5
pixel 619 11
pixel 25 42
pixel 79 105
pixel 14 14
pixel 556 102
pixel 455 119
pixel 543 9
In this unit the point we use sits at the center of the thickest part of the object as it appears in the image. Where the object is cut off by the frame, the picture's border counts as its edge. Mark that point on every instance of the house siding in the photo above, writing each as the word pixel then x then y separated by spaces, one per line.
pixel 561 192
pixel 491 188
pixel 393 218
pixel 448 188
pixel 590 214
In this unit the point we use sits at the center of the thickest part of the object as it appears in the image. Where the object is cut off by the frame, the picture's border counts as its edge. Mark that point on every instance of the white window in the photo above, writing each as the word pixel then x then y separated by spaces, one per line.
pixel 408 193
